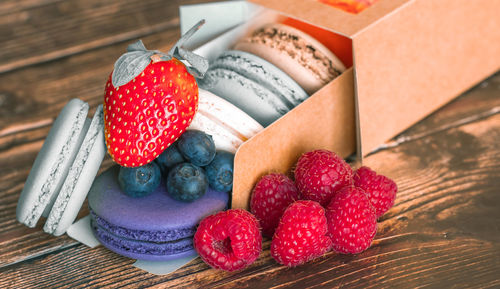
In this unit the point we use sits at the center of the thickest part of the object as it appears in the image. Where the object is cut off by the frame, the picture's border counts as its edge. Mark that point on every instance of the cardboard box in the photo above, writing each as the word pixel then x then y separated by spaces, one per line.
pixel 409 58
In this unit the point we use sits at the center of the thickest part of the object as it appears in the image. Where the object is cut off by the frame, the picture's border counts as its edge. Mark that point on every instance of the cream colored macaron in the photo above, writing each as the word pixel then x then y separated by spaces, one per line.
pixel 298 54
pixel 228 125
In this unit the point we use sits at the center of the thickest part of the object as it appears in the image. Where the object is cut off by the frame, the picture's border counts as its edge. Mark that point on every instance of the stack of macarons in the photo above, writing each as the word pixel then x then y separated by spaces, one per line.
pixel 151 212
pixel 154 227
pixel 64 169
pixel 271 71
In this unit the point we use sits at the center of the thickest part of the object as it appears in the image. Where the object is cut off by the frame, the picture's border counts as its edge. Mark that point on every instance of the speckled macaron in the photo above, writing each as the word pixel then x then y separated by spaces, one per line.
pixel 155 227
pixel 295 52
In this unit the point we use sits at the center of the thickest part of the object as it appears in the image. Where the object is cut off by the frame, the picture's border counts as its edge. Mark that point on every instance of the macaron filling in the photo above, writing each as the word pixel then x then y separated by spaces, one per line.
pixel 224 125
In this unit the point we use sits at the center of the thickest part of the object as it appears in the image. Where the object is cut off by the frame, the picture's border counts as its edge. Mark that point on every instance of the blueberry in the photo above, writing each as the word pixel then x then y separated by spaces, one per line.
pixel 220 172
pixel 139 181
pixel 197 147
pixel 169 158
pixel 186 182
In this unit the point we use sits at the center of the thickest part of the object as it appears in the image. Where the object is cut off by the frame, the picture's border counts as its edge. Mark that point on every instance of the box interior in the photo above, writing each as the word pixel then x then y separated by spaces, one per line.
pixel 332 18
pixel 410 56
pixel 340 45
pixel 351 6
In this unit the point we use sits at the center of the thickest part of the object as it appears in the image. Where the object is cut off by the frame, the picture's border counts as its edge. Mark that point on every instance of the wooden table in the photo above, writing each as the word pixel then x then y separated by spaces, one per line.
pixel 444 230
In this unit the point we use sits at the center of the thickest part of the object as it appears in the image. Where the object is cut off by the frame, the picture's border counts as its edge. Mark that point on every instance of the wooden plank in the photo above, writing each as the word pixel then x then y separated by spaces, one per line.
pixel 19 243
pixel 11 6
pixel 33 96
pixel 55 29
pixel 440 232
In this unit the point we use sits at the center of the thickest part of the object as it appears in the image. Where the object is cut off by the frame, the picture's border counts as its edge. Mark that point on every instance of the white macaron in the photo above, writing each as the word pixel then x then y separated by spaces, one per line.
pixel 64 169
pixel 228 125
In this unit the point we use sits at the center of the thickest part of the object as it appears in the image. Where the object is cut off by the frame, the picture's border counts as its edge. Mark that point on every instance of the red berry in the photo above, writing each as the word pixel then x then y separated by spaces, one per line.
pixel 301 235
pixel 146 115
pixel 381 190
pixel 229 240
pixel 270 197
pixel 352 223
pixel 150 99
pixel 321 173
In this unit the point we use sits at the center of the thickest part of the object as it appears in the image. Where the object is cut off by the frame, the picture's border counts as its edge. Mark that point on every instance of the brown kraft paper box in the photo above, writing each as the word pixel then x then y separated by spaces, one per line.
pixel 410 57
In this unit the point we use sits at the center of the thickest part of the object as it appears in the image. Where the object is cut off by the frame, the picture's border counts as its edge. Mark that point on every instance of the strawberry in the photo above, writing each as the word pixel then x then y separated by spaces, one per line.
pixel 150 100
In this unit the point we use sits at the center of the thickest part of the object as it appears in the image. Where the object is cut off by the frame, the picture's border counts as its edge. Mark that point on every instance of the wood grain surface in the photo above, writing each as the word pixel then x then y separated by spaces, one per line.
pixel 444 230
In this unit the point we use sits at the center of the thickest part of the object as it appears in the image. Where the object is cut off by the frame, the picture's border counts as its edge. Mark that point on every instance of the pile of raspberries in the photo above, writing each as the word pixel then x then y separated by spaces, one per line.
pixel 328 207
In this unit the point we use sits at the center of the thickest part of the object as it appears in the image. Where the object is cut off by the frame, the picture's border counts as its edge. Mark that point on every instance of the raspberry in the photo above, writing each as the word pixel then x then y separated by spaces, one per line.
pixel 301 235
pixel 319 174
pixel 270 197
pixel 381 190
pixel 352 222
pixel 229 240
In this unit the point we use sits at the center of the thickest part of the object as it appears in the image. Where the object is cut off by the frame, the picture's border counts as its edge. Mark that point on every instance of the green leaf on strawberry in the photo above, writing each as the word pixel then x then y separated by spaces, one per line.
pixel 150 100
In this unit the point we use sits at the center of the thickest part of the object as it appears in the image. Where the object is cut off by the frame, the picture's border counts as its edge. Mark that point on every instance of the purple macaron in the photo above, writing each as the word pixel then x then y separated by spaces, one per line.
pixel 155 227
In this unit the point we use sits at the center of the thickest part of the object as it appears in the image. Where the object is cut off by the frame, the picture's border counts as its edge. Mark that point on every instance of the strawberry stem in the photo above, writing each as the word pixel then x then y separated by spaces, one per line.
pixel 186 37
pixel 138 57
pixel 199 65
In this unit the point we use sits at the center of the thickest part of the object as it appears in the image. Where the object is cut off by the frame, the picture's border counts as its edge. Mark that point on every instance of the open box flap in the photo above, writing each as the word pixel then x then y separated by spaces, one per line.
pixel 226 41
pixel 412 62
pixel 332 18
pixel 219 16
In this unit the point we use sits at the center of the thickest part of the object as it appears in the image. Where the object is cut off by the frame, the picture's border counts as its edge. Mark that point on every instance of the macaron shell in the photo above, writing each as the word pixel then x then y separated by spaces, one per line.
pixel 263 72
pixel 52 163
pixel 251 97
pixel 144 235
pixel 228 114
pixel 304 59
pixel 223 139
pixel 79 179
pixel 228 125
pixel 155 212
pixel 143 250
